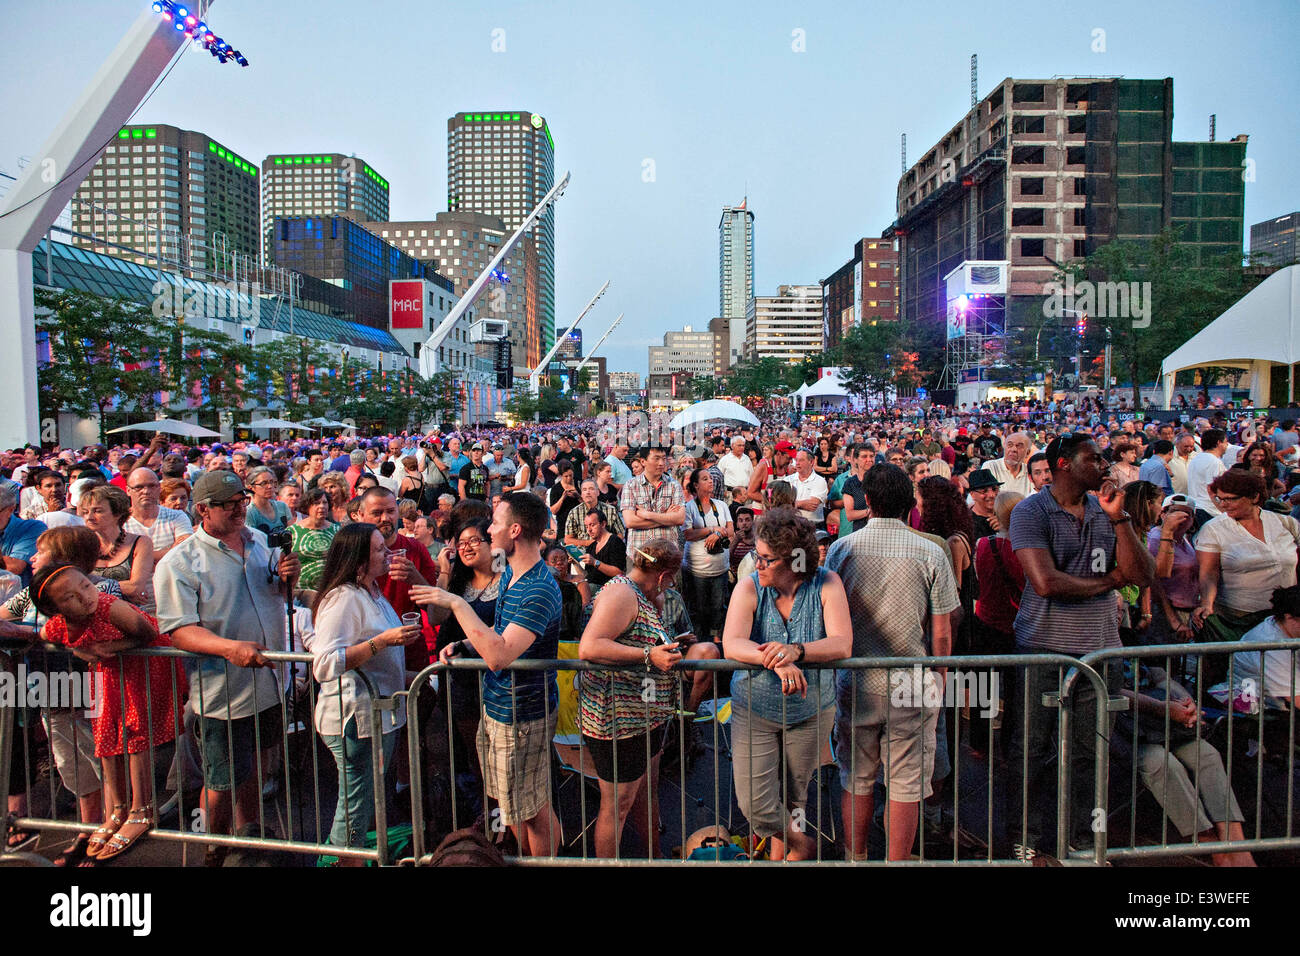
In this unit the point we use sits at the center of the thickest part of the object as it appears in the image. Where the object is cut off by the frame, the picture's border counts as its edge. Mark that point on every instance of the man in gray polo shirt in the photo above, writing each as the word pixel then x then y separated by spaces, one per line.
pixel 1076 550
pixel 221 593
pixel 900 586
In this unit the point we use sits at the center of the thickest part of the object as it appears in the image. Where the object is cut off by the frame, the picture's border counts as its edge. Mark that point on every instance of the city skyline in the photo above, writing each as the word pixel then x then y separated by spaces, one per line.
pixel 653 159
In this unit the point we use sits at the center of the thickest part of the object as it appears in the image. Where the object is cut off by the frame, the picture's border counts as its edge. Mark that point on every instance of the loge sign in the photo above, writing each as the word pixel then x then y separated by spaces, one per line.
pixel 406 304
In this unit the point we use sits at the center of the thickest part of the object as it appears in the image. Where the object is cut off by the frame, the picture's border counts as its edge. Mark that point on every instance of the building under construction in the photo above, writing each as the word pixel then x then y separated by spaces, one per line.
pixel 1041 172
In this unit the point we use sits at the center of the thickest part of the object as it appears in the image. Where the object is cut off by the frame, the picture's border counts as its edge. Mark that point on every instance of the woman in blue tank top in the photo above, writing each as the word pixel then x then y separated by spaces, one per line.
pixel 787 614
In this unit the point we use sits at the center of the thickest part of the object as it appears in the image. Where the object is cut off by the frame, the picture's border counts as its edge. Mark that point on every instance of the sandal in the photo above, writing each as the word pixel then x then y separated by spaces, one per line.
pixel 17 837
pixel 75 854
pixel 99 839
pixel 119 844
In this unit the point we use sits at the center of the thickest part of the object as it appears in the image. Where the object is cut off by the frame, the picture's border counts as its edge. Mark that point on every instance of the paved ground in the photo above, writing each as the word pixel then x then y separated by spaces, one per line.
pixel 689 800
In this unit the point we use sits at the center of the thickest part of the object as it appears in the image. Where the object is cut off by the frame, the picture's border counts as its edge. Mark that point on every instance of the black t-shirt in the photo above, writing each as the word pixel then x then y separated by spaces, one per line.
pixel 576 457
pixel 554 495
pixel 982 526
pixel 852 488
pixel 614 553
pixel 609 497
pixel 477 481
pixel 988 446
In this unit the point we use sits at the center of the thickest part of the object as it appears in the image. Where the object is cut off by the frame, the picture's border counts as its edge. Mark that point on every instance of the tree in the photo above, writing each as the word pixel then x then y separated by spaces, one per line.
pixel 704 387
pixel 433 399
pixel 550 405
pixel 878 361
pixel 762 378
pixel 211 370
pixel 286 371
pixel 1184 297
pixel 102 352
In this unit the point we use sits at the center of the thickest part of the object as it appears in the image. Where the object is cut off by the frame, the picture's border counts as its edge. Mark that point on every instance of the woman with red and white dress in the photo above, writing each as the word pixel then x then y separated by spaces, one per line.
pixel 135 696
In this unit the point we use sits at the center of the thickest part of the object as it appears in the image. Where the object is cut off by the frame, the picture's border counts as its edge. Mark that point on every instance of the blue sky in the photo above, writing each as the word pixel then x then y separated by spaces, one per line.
pixel 713 94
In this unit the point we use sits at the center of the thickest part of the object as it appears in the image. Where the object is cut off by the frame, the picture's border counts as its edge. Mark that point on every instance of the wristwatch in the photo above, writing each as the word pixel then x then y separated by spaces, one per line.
pixel 1123 517
pixel 646 654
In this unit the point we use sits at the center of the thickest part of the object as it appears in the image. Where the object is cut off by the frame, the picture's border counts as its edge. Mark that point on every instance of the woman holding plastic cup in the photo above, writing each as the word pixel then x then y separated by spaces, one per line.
pixel 356 629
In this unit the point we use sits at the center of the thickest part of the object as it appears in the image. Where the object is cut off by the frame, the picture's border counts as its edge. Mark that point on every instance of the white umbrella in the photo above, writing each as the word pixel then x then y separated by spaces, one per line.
pixel 713 410
pixel 169 426
pixel 278 423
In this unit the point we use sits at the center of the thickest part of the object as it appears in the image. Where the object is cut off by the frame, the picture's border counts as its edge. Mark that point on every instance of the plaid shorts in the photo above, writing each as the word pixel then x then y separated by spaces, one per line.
pixel 515 759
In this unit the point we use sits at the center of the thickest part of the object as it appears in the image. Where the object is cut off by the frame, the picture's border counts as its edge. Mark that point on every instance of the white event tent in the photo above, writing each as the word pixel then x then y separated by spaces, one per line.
pixel 1256 333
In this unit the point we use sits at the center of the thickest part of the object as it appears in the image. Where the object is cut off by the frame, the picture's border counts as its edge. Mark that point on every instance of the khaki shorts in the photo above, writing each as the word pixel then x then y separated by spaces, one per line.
pixel 516 760
pixel 909 733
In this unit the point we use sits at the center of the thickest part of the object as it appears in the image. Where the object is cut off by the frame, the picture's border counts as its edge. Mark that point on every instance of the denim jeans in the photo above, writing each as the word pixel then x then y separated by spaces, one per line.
pixel 1035 733
pixel 356 805
pixel 706 600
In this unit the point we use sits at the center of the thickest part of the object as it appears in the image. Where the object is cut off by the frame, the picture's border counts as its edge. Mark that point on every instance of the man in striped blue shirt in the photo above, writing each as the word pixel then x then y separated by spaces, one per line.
pixel 1076 548
pixel 514 735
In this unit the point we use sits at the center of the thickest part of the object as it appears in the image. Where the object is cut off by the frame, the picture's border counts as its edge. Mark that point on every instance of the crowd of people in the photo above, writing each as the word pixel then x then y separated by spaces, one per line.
pixel 1036 528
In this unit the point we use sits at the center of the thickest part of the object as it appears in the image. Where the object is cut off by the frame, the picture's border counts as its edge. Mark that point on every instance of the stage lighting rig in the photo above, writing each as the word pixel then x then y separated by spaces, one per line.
pixel 187 21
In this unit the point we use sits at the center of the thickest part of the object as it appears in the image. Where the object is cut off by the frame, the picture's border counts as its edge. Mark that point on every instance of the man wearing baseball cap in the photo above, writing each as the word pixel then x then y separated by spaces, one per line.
pixel 221 593
pixel 475 479
pixel 983 492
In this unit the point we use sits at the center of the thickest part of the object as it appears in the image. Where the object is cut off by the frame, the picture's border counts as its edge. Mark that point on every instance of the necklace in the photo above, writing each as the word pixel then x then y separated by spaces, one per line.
pixel 116 544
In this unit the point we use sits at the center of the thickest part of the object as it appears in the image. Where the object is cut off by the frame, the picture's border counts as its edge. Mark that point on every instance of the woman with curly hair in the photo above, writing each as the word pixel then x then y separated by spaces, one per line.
pixel 944 514
pixel 1260 460
pixel 788 613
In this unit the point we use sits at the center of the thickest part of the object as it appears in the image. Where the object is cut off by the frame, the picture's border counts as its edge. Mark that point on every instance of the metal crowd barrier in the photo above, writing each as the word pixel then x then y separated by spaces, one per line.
pixel 573 768
pixel 988 799
pixel 301 824
pixel 1265 739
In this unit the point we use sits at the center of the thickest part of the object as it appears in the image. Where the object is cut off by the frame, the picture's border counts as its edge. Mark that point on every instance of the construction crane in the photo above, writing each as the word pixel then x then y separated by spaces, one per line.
pixel 535 379
pixel 429 364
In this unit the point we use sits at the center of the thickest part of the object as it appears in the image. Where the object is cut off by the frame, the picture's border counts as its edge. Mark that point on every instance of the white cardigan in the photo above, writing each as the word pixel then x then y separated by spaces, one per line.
pixel 349 615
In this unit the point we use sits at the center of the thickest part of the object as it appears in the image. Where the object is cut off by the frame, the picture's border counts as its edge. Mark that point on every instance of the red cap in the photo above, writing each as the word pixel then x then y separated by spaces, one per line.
pixel 785 446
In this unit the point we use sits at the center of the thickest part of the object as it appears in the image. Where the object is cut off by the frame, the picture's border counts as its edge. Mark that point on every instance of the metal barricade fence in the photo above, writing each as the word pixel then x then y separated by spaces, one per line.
pixel 1194 770
pixel 278 752
pixel 1040 779
pixel 756 774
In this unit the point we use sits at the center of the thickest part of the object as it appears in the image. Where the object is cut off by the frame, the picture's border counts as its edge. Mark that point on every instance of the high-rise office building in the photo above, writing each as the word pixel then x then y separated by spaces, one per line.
pixel 735 267
pixel 862 291
pixel 460 245
pixel 319 184
pixel 785 326
pixel 354 264
pixel 155 183
pixel 625 382
pixel 1044 171
pixel 1279 239
pixel 503 164
pixel 684 351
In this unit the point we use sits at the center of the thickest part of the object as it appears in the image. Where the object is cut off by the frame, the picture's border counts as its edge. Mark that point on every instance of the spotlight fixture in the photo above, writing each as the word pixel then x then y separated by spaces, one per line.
pixel 190 24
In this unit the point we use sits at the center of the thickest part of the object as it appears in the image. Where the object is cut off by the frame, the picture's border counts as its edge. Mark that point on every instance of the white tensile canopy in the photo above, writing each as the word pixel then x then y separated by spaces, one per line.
pixel 713 410
pixel 279 423
pixel 169 426
pixel 1256 333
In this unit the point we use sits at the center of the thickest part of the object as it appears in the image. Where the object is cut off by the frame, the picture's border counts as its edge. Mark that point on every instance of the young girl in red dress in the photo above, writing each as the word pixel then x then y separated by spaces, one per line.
pixel 136 695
